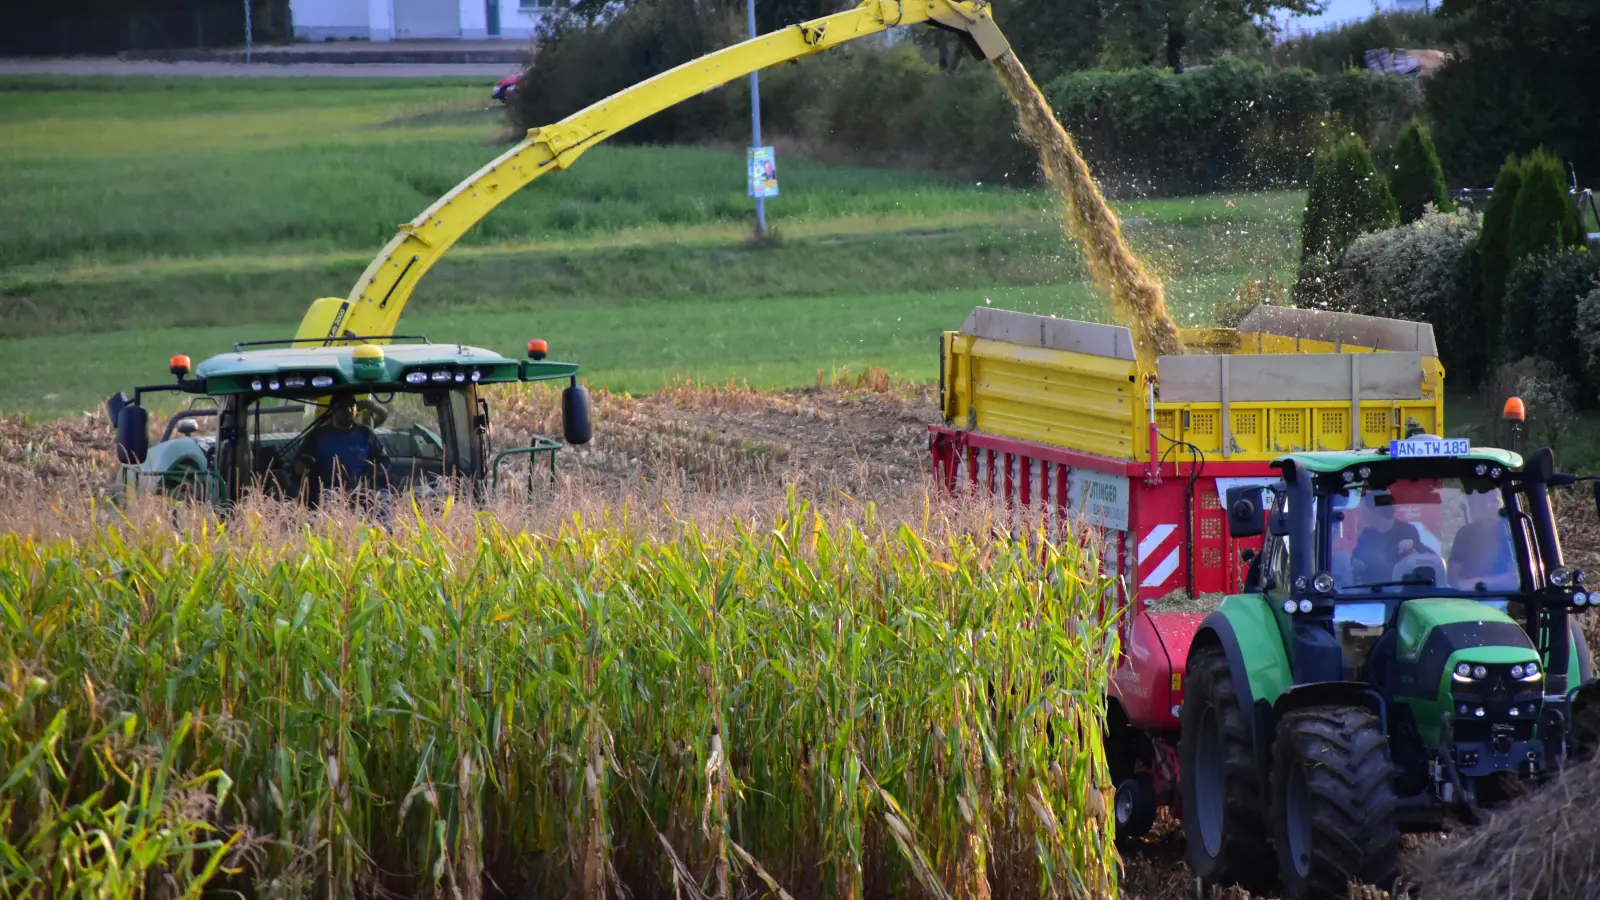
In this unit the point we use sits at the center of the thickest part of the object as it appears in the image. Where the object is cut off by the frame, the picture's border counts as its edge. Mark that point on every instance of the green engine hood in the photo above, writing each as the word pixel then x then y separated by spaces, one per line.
pixel 1489 634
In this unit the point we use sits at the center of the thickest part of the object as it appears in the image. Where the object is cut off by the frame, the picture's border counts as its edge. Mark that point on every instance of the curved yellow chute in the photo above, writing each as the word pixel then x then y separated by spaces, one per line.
pixel 374 304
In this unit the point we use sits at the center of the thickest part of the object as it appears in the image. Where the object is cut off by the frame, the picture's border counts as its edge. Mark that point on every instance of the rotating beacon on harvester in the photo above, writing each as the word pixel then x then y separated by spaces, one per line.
pixel 1395 646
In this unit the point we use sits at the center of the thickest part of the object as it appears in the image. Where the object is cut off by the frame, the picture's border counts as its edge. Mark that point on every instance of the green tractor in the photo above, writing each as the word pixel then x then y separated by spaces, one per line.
pixel 397 414
pixel 1403 654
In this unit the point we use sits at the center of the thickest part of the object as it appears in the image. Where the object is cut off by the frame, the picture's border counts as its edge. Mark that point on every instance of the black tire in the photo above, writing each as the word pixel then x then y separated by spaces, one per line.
pixel 1333 803
pixel 1134 810
pixel 1224 821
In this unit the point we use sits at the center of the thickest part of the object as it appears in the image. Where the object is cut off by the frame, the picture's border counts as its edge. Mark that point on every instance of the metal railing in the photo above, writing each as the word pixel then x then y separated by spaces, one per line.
pixel 540 445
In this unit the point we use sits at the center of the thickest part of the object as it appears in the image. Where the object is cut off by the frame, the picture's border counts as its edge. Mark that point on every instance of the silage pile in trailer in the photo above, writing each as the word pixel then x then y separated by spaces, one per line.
pixel 1542 847
pixel 837 706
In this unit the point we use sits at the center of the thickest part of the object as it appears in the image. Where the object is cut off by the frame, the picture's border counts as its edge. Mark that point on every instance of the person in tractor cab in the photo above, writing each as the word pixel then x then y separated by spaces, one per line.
pixel 1481 557
pixel 339 451
pixel 1382 541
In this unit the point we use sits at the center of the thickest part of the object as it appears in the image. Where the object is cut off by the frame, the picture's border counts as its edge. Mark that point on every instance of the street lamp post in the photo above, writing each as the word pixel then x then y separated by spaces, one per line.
pixel 755 122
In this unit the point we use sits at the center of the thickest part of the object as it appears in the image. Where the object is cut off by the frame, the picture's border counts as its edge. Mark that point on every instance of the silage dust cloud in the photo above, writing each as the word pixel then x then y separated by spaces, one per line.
pixel 1135 293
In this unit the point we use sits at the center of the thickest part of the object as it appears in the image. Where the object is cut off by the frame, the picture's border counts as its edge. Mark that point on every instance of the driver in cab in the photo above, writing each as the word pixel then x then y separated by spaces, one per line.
pixel 1383 541
pixel 341 451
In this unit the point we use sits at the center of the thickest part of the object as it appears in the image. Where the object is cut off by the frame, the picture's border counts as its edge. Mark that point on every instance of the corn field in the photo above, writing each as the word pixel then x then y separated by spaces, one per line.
pixel 795 706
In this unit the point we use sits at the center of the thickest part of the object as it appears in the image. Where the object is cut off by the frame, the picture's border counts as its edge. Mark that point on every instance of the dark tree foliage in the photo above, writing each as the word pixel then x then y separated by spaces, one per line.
pixel 585 57
pixel 1492 259
pixel 1335 50
pixel 1543 292
pixel 1171 33
pixel 1544 218
pixel 1417 179
pixel 1522 77
pixel 1348 198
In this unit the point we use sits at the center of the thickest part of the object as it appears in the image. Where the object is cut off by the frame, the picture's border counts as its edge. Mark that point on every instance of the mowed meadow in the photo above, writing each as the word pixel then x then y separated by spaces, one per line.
pixel 159 216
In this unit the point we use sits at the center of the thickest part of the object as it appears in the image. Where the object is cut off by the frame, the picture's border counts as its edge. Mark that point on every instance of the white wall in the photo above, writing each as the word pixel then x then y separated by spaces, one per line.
pixel 515 21
pixel 318 19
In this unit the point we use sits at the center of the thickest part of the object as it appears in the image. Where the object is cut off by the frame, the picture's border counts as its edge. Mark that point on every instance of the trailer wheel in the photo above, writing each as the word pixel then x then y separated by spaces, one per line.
pixel 1135 808
pixel 1333 803
pixel 1223 823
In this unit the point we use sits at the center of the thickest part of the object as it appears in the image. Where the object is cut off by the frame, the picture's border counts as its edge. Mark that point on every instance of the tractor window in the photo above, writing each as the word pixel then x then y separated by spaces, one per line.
pixel 1437 532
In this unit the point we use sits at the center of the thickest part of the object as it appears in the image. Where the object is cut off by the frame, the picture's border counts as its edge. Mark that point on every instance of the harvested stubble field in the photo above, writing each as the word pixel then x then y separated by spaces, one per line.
pixel 689 661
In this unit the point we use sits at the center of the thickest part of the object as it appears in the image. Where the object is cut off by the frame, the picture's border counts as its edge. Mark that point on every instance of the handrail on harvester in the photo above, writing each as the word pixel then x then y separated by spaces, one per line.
pixel 374 304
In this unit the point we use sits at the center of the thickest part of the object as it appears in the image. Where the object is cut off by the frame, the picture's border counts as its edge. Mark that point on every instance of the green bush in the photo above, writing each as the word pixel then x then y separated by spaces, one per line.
pixel 1588 319
pixel 1493 264
pixel 1544 217
pixel 1541 306
pixel 1417 179
pixel 1420 272
pixel 888 106
pixel 1347 199
pixel 581 61
pixel 1229 125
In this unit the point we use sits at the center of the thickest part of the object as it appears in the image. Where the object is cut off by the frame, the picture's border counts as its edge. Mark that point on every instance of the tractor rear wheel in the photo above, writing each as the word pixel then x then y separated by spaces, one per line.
pixel 1333 803
pixel 1223 823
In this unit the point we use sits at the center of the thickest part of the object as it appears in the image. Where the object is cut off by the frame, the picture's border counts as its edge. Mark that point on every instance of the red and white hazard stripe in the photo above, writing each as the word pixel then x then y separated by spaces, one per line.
pixel 1154 546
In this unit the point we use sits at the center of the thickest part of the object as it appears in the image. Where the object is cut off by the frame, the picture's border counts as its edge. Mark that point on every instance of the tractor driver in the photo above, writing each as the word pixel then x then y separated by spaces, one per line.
pixel 1382 542
pixel 1481 557
pixel 340 450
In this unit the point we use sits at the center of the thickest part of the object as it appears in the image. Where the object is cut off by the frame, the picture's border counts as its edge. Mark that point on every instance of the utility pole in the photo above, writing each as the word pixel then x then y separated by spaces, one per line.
pixel 755 124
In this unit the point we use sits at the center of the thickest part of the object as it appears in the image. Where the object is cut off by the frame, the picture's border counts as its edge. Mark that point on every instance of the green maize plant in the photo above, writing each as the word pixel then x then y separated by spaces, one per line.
pixel 802 706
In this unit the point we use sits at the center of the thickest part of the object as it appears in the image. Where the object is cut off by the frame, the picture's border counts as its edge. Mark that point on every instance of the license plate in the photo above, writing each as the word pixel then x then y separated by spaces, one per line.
pixel 1414 447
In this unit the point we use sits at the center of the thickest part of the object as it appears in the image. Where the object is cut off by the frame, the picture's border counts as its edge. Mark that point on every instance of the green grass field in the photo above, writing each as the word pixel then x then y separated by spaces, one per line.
pixel 160 216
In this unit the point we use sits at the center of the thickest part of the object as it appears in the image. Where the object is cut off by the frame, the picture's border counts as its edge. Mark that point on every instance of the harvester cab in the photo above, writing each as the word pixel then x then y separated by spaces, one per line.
pixel 396 414
pixel 1404 652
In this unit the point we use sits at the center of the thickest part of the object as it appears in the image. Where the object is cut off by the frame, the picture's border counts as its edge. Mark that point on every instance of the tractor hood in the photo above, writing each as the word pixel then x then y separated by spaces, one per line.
pixel 1434 637
pixel 1448 626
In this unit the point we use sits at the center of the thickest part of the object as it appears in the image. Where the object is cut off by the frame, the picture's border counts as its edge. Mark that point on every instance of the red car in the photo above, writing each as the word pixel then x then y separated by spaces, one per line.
pixel 506 87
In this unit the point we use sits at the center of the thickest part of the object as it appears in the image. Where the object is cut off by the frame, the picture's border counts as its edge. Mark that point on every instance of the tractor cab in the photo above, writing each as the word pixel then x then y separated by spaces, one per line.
pixel 1402 652
pixel 292 421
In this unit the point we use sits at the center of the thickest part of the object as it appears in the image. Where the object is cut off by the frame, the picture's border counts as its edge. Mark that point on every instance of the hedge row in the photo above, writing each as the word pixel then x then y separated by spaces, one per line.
pixel 1231 125
pixel 1226 126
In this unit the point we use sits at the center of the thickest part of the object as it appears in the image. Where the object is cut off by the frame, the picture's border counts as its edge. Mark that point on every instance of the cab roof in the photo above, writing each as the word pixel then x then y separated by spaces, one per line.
pixel 396 366
pixel 1339 460
pixel 396 357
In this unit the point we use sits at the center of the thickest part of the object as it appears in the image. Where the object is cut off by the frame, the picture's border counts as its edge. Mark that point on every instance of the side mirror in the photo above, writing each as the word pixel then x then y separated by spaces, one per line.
pixel 114 405
pixel 576 424
pixel 133 434
pixel 187 427
pixel 1244 511
pixel 1540 465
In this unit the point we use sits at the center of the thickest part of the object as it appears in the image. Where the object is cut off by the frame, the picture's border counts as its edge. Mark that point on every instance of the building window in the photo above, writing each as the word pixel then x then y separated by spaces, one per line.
pixel 538 4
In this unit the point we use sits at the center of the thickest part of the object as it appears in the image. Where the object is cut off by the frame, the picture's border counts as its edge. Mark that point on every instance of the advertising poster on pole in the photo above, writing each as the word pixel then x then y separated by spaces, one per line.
pixel 763 172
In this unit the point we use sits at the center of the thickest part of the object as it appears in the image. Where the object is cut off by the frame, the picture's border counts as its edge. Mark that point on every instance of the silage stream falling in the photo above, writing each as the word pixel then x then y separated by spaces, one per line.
pixel 1136 295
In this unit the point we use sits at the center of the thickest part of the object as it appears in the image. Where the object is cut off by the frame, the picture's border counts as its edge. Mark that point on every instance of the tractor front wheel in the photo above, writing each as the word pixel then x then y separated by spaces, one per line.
pixel 1223 823
pixel 1333 803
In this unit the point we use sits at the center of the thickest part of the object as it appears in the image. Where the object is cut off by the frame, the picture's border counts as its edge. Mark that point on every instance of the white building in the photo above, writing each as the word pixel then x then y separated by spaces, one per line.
pixel 399 20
